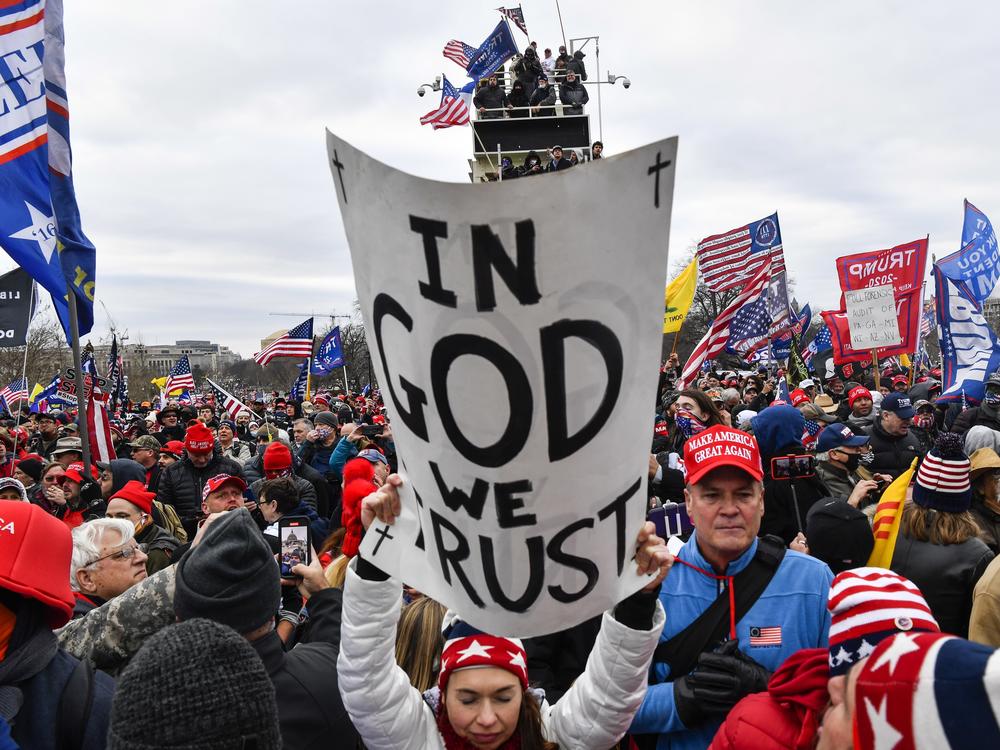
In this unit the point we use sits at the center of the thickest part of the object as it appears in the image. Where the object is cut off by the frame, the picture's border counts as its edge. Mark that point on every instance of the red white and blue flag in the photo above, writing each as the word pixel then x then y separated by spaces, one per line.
pixel 39 220
pixel 16 390
pixel 232 405
pixel 765 636
pixel 180 377
pixel 459 53
pixel 453 109
pixel 517 16
pixel 297 342
pixel 731 259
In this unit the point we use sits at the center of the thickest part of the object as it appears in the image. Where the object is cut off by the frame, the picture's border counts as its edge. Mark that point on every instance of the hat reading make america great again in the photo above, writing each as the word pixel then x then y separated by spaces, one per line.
pixel 721 446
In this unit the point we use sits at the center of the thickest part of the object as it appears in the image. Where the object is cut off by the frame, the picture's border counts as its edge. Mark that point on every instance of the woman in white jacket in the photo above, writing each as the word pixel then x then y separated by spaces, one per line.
pixel 484 701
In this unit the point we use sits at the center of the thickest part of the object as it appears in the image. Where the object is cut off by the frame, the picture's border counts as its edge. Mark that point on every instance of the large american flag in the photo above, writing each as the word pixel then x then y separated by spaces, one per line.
pixel 731 259
pixel 459 52
pixel 750 327
pixel 451 111
pixel 714 340
pixel 180 376
pixel 16 390
pixel 298 342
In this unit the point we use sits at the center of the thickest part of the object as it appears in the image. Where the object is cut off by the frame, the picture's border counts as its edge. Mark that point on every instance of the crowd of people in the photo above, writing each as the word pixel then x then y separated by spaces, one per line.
pixel 148 601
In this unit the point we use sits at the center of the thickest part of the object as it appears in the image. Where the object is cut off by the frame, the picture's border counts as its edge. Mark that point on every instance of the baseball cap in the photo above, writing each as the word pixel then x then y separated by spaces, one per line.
pixel 173 448
pixel 372 455
pixel 807 383
pixel 798 396
pixel 75 473
pixel 900 380
pixel 147 442
pixel 899 404
pixel 220 480
pixel 721 446
pixel 838 435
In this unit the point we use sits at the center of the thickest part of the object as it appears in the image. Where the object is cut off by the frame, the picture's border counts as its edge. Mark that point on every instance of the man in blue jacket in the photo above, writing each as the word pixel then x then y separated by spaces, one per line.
pixel 725 501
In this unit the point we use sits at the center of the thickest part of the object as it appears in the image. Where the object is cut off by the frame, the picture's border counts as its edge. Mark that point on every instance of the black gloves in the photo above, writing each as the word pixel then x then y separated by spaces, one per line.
pixel 90 491
pixel 719 681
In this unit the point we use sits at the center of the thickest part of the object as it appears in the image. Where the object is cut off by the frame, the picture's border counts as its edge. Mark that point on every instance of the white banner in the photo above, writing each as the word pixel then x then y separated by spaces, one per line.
pixel 515 329
pixel 871 317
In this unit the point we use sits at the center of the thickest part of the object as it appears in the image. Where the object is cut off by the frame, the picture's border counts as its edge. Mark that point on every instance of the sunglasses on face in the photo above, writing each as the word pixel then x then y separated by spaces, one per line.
pixel 55 479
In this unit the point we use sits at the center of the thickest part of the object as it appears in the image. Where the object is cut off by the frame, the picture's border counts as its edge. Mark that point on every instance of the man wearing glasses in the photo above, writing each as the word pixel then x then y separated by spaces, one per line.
pixel 106 562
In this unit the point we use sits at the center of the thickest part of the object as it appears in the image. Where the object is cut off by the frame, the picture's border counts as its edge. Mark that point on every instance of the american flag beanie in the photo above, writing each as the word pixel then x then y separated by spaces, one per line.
pixel 928 691
pixel 943 476
pixel 466 647
pixel 868 605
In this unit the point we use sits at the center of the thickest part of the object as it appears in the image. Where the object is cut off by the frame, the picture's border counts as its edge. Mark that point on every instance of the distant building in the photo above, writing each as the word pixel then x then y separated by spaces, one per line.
pixel 202 355
pixel 991 311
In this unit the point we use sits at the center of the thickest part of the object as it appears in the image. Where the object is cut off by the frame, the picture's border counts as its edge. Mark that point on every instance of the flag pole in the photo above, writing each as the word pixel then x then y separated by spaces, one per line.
pixel 677 335
pixel 81 379
pixel 346 388
pixel 878 382
pixel 24 366
pixel 308 377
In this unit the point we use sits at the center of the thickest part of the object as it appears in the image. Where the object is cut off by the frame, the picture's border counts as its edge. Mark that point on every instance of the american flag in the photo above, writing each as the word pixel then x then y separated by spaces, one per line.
pixel 820 343
pixel 180 377
pixel 715 339
pixel 810 434
pixel 459 52
pixel 749 329
pixel 517 16
pixel 765 636
pixel 298 342
pixel 228 401
pixel 451 111
pixel 927 319
pixel 16 390
pixel 731 259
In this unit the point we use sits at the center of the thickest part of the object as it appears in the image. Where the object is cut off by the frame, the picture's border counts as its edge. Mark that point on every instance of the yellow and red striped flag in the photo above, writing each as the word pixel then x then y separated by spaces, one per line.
pixel 887 516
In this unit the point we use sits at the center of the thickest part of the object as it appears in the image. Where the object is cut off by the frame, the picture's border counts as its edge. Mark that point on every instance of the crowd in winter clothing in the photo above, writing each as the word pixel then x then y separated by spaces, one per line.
pixel 142 603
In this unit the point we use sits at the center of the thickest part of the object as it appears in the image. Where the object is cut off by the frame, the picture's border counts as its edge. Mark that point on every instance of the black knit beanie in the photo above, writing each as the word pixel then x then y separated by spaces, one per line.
pixel 195 686
pixel 230 577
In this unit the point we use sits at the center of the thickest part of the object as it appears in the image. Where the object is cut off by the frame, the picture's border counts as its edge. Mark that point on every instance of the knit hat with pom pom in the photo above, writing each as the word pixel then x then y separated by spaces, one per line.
pixel 943 476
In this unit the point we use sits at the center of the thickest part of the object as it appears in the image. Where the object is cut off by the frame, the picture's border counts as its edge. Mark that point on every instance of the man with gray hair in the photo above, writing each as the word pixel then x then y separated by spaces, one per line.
pixel 106 562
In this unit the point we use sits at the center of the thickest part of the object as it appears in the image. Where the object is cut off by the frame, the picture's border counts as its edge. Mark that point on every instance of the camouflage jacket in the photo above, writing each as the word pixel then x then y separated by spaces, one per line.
pixel 109 636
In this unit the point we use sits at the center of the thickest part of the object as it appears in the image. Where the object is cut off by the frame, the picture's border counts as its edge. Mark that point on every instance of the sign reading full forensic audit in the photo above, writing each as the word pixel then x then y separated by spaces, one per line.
pixel 516 336
pixel 871 317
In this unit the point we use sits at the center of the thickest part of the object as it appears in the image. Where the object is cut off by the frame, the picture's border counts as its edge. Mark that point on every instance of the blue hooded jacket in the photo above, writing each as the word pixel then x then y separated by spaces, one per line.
pixel 776 428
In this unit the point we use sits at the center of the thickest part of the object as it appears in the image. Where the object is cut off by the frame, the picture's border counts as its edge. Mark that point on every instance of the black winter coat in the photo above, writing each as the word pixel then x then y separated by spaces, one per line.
pixel 893 455
pixel 556 660
pixel 181 485
pixel 977 415
pixel 310 711
pixel 315 494
pixel 782 516
pixel 946 575
pixel 490 97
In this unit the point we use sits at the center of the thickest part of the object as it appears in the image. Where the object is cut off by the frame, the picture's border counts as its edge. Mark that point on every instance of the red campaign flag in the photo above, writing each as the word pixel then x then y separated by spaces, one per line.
pixel 902 266
pixel 908 315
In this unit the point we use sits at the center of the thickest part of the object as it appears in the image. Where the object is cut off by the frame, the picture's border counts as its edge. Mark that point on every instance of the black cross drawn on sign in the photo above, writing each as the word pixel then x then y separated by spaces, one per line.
pixel 655 170
pixel 383 535
pixel 340 173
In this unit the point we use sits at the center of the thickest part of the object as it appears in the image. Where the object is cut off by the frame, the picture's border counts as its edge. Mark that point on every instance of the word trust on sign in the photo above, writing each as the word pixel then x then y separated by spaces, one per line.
pixel 517 354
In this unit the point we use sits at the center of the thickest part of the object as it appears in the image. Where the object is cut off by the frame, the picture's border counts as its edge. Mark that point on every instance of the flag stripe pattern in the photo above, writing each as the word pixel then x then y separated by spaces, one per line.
pixel 102 446
pixel 451 111
pixel 16 390
pixel 180 376
pixel 517 16
pixel 714 340
pixel 228 401
pixel 459 53
pixel 765 636
pixel 730 259
pixel 297 342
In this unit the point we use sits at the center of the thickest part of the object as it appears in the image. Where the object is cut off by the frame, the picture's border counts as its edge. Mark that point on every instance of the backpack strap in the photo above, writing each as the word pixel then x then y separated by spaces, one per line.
pixel 681 652
pixel 75 705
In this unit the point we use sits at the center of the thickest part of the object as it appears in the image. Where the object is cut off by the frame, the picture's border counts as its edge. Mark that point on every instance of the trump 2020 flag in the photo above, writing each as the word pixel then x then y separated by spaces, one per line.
pixel 969 348
pixel 39 220
pixel 330 355
pixel 978 262
pixel 495 50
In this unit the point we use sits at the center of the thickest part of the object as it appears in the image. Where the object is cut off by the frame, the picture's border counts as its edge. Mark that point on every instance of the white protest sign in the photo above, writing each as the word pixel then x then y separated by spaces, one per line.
pixel 871 317
pixel 515 330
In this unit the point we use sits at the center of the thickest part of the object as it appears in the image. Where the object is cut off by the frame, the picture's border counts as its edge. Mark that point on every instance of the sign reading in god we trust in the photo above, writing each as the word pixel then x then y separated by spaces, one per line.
pixel 515 332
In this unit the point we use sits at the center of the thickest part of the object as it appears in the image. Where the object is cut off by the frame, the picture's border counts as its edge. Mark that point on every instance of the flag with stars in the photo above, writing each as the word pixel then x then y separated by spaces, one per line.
pixel 39 219
pixel 298 390
pixel 180 377
pixel 297 342
pixel 16 390
pixel 749 329
pixel 330 354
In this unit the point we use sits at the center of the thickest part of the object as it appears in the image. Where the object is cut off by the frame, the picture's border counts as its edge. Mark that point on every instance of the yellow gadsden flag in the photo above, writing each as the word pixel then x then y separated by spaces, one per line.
pixel 160 383
pixel 679 296
pixel 888 513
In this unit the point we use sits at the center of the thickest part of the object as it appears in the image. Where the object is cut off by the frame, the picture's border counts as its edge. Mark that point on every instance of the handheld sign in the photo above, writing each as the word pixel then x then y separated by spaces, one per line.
pixel 871 317
pixel 515 331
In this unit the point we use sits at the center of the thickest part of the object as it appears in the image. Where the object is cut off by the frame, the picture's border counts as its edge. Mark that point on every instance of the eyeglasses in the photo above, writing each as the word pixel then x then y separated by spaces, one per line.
pixel 125 553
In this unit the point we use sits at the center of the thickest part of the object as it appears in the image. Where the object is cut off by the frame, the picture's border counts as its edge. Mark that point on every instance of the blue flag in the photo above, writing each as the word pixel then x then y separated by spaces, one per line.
pixel 39 220
pixel 298 390
pixel 329 356
pixel 498 47
pixel 969 348
pixel 977 264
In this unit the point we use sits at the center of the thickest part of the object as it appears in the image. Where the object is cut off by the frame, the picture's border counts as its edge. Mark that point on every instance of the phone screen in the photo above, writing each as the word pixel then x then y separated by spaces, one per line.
pixel 295 544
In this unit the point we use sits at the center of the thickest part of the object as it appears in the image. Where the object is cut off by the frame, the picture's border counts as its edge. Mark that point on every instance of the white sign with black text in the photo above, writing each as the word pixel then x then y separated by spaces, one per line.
pixel 871 317
pixel 515 331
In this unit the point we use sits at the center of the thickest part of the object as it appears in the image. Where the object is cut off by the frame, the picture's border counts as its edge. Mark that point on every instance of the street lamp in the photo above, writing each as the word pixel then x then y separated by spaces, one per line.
pixel 436 86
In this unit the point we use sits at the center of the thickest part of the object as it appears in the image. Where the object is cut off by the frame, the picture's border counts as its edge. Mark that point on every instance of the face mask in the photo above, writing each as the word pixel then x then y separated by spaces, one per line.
pixel 852 462
pixel 992 398
pixel 923 421
pixel 688 423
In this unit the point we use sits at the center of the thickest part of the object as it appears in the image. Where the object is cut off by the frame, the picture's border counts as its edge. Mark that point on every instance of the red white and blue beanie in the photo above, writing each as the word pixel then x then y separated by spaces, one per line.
pixel 943 476
pixel 467 648
pixel 868 605
pixel 928 691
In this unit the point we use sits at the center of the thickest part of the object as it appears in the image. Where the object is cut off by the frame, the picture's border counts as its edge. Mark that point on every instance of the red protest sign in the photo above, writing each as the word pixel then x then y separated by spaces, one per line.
pixel 908 315
pixel 902 266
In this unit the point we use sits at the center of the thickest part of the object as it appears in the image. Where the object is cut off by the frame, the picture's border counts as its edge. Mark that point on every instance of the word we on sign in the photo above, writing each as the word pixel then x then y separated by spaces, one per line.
pixel 516 334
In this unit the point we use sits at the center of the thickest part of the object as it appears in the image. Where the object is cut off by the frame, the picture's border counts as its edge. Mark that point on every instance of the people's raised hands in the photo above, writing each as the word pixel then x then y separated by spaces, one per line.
pixel 383 504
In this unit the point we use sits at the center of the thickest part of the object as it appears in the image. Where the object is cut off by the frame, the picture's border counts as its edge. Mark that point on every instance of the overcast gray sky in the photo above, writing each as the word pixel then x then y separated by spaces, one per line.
pixel 197 130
